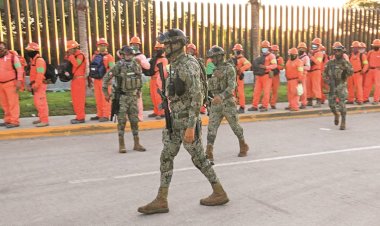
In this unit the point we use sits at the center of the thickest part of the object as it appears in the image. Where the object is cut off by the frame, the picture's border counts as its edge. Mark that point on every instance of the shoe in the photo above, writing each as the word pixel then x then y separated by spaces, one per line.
pixel 287 108
pixel 375 103
pixel 10 125
pixel 162 116
pixel 158 117
pixel 42 124
pixel 95 118
pixel 152 115
pixel 360 103
pixel 158 205
pixel 240 110
pixel 243 148
pixel 218 196
pixel 309 102
pixel 293 109
pixel 122 148
pixel 252 109
pixel 103 119
pixel 349 102
pixel 263 109
pixel 273 106
pixel 366 101
pixel 77 121
pixel 137 146
pixel 303 106
pixel 3 124
pixel 36 122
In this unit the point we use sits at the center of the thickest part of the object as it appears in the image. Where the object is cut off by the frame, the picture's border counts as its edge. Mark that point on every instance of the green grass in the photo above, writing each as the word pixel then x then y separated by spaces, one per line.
pixel 60 102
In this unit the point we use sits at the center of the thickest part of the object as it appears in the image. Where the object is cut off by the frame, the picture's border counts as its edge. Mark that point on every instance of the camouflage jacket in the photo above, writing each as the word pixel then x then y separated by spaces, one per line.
pixel 339 70
pixel 127 76
pixel 223 80
pixel 187 69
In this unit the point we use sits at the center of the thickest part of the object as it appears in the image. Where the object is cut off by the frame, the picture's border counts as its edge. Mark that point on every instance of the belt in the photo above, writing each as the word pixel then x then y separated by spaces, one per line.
pixel 80 76
pixel 291 79
pixel 8 81
pixel 314 70
pixel 357 71
pixel 180 115
pixel 374 68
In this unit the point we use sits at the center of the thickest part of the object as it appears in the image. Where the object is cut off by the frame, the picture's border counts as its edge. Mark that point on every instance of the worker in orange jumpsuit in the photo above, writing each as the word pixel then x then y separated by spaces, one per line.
pixel 135 43
pixel 314 75
pixel 103 107
pixel 324 85
pixel 373 75
pixel 78 84
pixel 303 55
pixel 294 73
pixel 276 75
pixel 156 82
pixel 10 83
pixel 242 65
pixel 355 82
pixel 37 84
pixel 264 82
pixel 363 50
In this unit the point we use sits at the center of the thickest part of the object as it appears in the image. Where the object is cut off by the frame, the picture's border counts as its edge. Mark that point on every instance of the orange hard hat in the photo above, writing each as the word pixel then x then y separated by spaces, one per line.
pixel 191 46
pixel 337 44
pixel 293 51
pixel 238 47
pixel 159 46
pixel 302 45
pixel 363 45
pixel 322 48
pixel 376 43
pixel 265 44
pixel 317 41
pixel 355 44
pixel 71 44
pixel 135 40
pixel 275 48
pixel 32 47
pixel 102 41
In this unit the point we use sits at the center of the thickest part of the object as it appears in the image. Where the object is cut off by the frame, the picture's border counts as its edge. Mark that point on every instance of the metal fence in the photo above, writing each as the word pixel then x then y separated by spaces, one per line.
pixel 52 22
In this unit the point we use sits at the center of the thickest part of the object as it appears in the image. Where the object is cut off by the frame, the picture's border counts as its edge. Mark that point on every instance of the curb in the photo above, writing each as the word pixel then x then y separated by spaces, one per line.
pixel 87 129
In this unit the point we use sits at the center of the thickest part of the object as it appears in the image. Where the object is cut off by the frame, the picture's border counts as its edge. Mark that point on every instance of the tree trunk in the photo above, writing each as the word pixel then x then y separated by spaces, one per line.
pixel 255 6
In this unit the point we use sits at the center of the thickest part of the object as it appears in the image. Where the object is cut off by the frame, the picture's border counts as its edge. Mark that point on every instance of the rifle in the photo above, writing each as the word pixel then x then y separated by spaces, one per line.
pixel 165 101
pixel 116 98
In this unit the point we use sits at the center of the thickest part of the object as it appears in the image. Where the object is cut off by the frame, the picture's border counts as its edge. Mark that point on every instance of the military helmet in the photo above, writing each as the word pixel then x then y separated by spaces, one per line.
pixel 215 51
pixel 127 50
pixel 172 36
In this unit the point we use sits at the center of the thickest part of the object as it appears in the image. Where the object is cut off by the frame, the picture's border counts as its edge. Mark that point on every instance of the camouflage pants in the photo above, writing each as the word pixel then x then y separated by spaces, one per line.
pixel 337 99
pixel 217 112
pixel 128 106
pixel 171 148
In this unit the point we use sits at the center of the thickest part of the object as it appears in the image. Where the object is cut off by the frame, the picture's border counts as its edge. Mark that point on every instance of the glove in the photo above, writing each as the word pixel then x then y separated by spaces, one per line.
pixel 189 135
pixel 241 76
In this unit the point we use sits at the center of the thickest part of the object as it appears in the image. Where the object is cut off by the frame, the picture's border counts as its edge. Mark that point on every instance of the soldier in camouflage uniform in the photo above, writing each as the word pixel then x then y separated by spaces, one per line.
pixel 336 73
pixel 222 85
pixel 185 95
pixel 127 73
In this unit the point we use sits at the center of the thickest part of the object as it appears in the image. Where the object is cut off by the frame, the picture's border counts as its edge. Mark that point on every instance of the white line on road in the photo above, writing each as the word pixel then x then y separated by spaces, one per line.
pixel 234 163
pixel 325 129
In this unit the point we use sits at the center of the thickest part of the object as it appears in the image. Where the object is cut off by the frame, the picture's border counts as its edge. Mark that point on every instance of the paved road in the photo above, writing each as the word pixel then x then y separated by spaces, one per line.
pixel 299 172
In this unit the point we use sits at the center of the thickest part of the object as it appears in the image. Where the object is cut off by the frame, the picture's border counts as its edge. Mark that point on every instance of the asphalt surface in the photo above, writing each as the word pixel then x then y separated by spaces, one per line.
pixel 298 172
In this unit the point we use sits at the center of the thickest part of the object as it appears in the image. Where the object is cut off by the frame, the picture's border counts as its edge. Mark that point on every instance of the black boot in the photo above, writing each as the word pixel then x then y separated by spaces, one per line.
pixel 309 102
pixel 343 122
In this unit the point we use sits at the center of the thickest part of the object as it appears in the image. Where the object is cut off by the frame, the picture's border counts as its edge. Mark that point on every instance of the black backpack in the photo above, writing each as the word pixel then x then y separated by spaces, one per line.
pixel 51 73
pixel 97 68
pixel 65 71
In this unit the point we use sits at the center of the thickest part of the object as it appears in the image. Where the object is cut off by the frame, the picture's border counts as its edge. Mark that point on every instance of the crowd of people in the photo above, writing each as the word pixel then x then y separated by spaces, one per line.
pixel 266 68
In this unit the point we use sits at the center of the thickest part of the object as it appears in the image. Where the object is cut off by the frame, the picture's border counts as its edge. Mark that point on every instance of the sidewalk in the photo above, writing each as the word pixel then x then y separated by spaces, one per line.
pixel 60 125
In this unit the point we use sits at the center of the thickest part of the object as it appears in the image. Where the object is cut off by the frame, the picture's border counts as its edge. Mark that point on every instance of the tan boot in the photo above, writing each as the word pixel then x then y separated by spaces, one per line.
pixel 218 196
pixel 209 154
pixel 343 122
pixel 158 205
pixel 137 146
pixel 122 148
pixel 243 148
pixel 336 118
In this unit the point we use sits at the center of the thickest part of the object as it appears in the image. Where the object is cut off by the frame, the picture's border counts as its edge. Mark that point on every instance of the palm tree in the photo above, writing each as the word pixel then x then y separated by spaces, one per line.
pixel 82 7
pixel 255 4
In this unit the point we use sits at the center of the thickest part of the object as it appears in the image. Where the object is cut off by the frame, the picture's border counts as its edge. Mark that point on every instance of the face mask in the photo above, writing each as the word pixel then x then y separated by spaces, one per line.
pixel 135 48
pixel 293 57
pixel 237 53
pixel 31 54
pixel 376 48
pixel 264 50
pixel 355 50
pixel 314 47
pixel 300 52
pixel 361 50
pixel 102 48
pixel 159 52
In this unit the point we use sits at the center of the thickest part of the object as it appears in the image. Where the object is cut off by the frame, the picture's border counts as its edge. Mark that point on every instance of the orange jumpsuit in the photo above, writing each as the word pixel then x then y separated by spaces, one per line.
pixel 156 84
pixel 264 82
pixel 103 107
pixel 306 67
pixel 324 86
pixel 242 65
pixel 276 82
pixel 78 84
pixel 373 76
pixel 294 73
pixel 314 76
pixel 37 77
pixel 9 98
pixel 355 82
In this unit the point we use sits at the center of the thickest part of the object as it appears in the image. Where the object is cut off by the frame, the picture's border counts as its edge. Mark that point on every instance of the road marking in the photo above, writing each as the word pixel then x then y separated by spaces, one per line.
pixel 233 163
pixel 325 129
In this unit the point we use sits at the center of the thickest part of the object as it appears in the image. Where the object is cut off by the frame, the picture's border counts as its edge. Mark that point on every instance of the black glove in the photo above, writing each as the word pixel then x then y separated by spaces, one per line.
pixel 241 76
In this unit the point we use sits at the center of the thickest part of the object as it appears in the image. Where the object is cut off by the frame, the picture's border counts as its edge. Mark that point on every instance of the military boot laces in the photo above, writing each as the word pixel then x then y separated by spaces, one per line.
pixel 209 153
pixel 122 148
pixel 343 122
pixel 158 205
pixel 243 148
pixel 218 196
pixel 137 146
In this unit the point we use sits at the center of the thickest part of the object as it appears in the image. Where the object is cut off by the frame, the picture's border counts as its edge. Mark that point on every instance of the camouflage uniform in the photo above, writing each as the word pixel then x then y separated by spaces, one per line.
pixel 185 114
pixel 128 81
pixel 336 73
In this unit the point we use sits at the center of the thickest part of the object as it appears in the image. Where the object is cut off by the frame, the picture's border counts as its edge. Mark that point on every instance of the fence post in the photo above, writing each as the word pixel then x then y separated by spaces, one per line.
pixel 255 6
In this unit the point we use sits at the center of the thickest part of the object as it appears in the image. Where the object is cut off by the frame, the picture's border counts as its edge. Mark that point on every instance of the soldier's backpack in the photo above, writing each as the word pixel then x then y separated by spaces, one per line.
pixel 65 71
pixel 256 66
pixel 97 68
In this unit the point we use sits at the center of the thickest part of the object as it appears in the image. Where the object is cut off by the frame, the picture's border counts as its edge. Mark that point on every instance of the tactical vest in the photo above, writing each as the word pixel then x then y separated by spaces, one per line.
pixel 218 82
pixel 130 81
